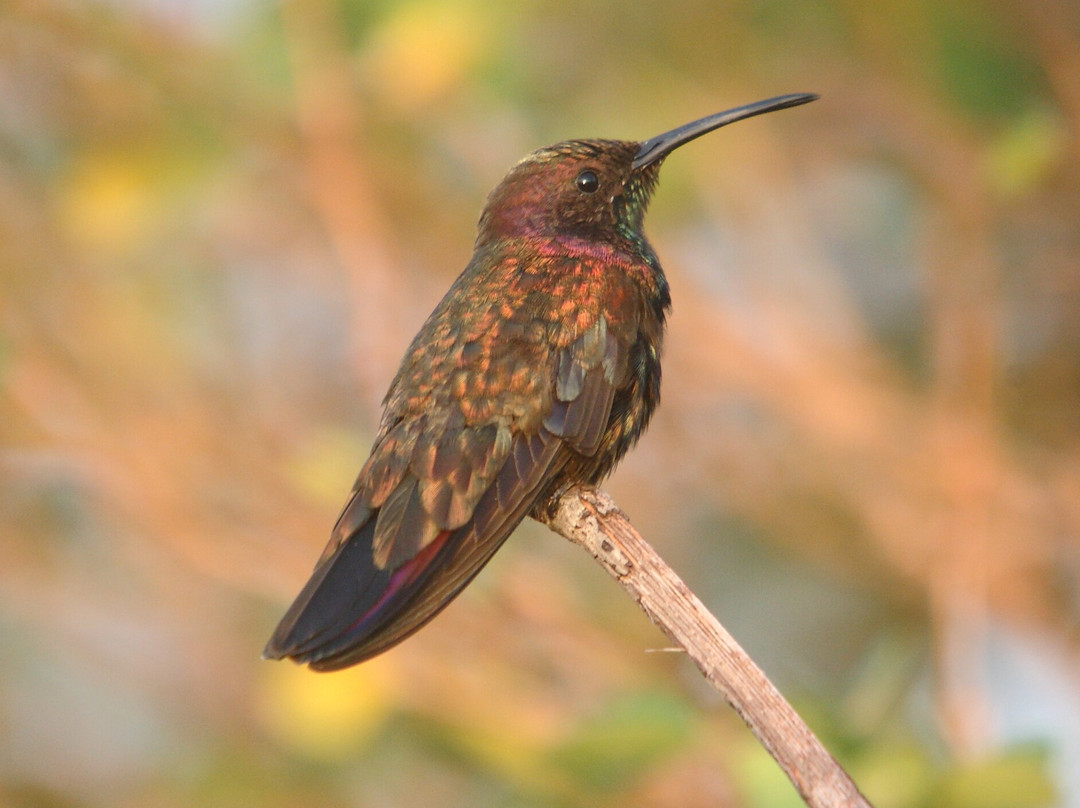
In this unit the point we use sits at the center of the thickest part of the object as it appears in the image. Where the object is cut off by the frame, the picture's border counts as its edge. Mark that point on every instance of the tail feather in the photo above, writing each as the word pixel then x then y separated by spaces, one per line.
pixel 344 584
pixel 460 555
pixel 352 609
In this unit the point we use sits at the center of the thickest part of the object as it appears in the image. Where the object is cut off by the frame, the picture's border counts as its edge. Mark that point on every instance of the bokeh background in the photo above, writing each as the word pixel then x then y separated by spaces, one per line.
pixel 221 221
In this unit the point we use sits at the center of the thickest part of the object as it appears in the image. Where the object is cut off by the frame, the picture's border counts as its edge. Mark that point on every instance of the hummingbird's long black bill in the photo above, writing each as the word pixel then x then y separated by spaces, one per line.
pixel 658 147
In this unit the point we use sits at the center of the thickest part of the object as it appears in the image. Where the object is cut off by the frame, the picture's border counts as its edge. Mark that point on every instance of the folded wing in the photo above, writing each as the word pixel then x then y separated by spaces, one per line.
pixel 432 506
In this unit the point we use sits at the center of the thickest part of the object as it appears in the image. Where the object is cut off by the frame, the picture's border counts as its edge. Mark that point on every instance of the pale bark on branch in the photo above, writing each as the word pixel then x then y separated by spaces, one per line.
pixel 587 516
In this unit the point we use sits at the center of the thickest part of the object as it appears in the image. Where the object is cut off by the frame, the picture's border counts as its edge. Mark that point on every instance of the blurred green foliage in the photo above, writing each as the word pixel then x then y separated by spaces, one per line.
pixel 621 742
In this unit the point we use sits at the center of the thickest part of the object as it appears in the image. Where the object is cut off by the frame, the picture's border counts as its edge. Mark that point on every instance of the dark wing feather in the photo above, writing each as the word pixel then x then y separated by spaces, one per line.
pixel 586 377
pixel 345 584
pixel 352 610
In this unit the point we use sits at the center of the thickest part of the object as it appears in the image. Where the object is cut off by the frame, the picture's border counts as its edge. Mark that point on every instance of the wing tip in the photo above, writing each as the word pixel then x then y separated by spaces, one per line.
pixel 350 610
pixel 278 648
pixel 344 583
pixel 270 653
pixel 313 659
pixel 283 644
pixel 321 654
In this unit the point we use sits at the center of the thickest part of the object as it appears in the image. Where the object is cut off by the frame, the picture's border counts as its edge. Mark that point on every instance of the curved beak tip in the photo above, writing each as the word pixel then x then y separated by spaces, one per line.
pixel 656 148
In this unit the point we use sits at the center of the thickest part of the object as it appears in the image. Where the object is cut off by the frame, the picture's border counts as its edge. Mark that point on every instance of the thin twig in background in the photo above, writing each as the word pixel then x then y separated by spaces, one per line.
pixel 589 517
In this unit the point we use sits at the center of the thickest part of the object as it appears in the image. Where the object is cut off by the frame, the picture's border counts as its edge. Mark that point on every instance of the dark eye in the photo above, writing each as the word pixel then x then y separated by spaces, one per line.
pixel 587 182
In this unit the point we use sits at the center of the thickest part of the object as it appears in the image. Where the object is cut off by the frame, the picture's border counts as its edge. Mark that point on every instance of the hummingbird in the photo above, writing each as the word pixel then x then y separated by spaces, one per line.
pixel 538 370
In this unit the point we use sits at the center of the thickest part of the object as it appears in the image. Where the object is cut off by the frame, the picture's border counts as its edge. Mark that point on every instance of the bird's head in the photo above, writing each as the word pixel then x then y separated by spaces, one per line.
pixel 595 189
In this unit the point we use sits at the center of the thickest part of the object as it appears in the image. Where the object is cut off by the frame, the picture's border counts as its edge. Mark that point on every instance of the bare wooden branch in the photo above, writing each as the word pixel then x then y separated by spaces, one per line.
pixel 587 516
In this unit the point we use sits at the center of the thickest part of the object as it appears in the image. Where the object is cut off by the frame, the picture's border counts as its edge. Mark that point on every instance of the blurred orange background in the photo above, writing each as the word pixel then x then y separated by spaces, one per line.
pixel 221 223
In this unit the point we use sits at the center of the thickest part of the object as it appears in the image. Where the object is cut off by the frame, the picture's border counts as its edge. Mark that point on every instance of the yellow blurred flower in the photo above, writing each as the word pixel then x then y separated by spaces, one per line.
pixel 1026 153
pixel 325 715
pixel 424 51
pixel 325 465
pixel 107 201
